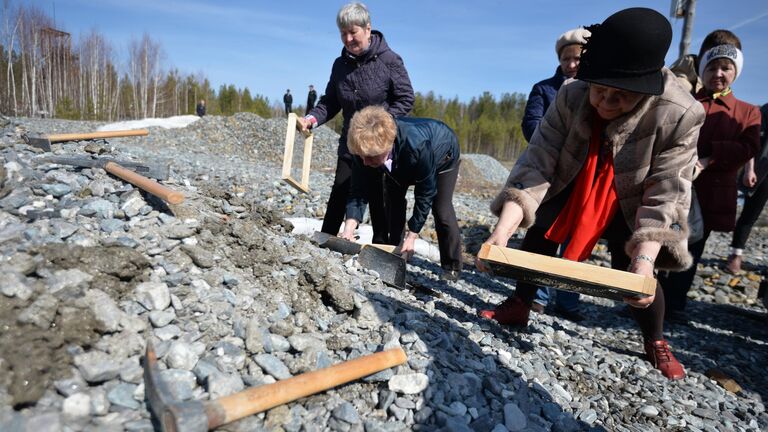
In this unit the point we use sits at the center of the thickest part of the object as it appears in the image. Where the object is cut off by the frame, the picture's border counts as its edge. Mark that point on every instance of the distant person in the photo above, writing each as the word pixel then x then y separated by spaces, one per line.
pixel 410 151
pixel 288 101
pixel 604 164
pixel 366 73
pixel 311 98
pixel 568 49
pixel 753 180
pixel 729 138
pixel 200 108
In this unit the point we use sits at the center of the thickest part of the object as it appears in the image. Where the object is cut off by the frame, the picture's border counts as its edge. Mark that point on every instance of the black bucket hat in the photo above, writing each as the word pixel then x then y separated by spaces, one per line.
pixel 627 51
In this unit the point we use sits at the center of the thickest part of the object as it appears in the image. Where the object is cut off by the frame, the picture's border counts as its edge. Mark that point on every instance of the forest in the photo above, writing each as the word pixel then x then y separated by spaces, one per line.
pixel 45 72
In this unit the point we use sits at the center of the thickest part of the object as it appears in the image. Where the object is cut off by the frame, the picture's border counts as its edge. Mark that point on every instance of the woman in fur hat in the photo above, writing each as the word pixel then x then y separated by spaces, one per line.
pixel 612 159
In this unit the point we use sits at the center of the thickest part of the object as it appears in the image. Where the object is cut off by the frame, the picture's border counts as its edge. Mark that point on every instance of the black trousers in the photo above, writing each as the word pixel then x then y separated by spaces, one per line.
pixel 753 206
pixel 336 208
pixel 446 225
pixel 677 284
pixel 650 319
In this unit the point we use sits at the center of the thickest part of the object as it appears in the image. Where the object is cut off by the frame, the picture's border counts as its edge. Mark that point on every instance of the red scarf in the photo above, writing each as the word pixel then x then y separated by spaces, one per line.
pixel 591 205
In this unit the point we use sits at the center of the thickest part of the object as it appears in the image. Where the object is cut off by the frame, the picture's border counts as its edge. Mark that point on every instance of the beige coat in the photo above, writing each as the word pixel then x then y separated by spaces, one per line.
pixel 654 152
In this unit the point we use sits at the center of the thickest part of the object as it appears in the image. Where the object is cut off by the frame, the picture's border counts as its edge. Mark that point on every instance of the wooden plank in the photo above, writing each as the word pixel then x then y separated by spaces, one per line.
pixel 566 275
pixel 384 247
pixel 290 136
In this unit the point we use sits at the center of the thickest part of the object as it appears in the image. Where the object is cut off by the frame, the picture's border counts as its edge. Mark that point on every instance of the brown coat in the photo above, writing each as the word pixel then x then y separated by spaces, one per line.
pixel 654 151
pixel 730 137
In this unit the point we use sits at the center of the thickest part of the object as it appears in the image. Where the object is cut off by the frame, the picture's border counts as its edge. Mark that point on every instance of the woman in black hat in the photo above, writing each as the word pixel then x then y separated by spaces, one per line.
pixel 612 159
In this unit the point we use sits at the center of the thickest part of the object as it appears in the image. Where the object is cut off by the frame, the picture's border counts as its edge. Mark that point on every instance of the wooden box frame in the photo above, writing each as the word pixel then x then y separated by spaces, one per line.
pixel 290 136
pixel 567 275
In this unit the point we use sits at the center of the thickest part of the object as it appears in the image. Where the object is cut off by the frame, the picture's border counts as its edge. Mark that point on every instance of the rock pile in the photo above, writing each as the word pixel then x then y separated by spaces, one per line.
pixel 93 267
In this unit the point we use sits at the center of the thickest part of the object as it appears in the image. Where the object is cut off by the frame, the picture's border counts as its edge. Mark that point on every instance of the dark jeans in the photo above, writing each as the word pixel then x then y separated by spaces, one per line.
pixel 337 201
pixel 677 284
pixel 287 109
pixel 446 225
pixel 650 319
pixel 753 206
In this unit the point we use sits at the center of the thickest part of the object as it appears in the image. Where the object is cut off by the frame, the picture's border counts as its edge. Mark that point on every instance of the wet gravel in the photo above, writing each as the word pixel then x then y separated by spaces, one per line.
pixel 93 267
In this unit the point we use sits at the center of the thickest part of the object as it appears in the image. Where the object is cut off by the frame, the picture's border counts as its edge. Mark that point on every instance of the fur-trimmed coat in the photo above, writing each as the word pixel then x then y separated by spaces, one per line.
pixel 654 152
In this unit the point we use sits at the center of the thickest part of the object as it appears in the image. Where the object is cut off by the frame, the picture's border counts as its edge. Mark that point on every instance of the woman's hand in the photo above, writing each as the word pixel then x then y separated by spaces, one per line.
pixel 703 163
pixel 408 245
pixel 509 220
pixel 350 225
pixel 303 125
pixel 749 178
pixel 643 260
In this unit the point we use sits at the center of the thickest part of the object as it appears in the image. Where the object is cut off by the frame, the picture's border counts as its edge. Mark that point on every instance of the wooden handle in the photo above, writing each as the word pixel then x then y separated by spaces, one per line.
pixel 149 185
pixel 96 135
pixel 258 399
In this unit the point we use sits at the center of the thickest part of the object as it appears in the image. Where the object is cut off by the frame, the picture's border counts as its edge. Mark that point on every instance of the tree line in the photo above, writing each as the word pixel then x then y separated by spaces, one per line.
pixel 44 72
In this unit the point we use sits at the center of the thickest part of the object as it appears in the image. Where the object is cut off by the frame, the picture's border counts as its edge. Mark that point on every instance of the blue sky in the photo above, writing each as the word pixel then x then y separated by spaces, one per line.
pixel 454 48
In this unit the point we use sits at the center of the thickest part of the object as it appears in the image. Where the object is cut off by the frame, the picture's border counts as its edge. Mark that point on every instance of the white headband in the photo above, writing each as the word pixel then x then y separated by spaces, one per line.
pixel 722 51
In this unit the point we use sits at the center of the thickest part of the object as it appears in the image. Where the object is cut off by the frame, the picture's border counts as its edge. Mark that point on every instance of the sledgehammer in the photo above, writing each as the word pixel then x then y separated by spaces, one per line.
pixel 44 142
pixel 198 416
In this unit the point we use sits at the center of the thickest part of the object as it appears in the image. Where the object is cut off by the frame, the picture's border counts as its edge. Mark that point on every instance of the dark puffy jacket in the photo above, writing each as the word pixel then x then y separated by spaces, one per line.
pixel 423 148
pixel 761 161
pixel 542 95
pixel 376 77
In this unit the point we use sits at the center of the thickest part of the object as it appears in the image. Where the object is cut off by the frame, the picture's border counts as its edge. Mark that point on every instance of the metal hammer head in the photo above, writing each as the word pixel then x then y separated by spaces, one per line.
pixel 39 142
pixel 173 416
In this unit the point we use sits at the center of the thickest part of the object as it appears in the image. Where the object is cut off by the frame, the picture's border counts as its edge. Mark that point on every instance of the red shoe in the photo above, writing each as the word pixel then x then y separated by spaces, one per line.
pixel 512 311
pixel 661 358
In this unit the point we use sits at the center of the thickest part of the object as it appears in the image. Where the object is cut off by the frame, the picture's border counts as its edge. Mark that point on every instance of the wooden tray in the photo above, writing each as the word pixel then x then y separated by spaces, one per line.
pixel 566 275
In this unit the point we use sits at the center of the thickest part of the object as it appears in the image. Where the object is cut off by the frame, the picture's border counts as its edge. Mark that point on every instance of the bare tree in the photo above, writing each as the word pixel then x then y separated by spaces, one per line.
pixel 145 73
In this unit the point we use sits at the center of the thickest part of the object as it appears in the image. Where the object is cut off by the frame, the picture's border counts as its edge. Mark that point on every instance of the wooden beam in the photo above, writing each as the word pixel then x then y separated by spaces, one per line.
pixel 290 136
pixel 566 275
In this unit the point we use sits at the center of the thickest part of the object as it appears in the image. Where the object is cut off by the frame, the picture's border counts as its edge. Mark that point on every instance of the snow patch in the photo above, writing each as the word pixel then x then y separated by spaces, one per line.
pixel 307 226
pixel 166 123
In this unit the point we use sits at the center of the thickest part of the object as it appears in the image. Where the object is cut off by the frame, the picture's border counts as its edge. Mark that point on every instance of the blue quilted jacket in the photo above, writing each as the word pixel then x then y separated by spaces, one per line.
pixel 542 95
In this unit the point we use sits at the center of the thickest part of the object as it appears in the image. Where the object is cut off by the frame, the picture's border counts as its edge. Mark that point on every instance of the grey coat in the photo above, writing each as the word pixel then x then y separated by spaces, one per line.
pixel 654 152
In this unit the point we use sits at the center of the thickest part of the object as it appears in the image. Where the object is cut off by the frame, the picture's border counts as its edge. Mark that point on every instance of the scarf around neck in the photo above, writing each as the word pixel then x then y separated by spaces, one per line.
pixel 592 203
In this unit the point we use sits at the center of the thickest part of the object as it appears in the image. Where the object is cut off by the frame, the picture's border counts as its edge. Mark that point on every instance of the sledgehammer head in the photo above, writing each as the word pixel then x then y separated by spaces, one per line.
pixel 40 142
pixel 173 416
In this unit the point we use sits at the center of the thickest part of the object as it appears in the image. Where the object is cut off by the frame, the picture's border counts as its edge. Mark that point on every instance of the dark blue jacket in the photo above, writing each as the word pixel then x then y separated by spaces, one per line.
pixel 761 160
pixel 542 95
pixel 376 77
pixel 423 148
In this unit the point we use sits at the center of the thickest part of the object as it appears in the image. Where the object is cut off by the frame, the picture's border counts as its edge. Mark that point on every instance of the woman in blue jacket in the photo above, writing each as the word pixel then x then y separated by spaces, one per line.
pixel 409 151
pixel 568 49
pixel 366 73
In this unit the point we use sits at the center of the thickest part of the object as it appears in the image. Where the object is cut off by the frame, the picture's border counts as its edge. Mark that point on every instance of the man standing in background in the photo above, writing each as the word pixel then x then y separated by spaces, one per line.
pixel 288 101
pixel 311 98
pixel 200 108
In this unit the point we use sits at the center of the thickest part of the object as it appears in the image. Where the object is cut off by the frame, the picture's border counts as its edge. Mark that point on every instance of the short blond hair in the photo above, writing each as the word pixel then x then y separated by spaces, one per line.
pixel 371 132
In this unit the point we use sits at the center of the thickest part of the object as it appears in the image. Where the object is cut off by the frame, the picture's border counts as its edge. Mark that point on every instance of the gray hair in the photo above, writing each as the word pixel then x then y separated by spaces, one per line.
pixel 353 14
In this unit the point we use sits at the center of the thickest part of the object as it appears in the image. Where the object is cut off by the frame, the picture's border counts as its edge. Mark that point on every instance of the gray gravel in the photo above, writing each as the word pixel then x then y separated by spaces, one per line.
pixel 93 268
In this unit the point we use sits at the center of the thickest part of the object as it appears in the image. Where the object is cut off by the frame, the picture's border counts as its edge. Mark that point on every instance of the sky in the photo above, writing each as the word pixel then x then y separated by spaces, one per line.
pixel 455 48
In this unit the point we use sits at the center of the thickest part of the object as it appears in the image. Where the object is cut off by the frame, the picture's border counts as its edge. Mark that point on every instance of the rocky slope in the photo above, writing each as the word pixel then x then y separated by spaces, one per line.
pixel 231 299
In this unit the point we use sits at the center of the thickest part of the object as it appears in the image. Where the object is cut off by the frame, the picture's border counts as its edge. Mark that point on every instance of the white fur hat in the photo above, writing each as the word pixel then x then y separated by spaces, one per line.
pixel 723 51
pixel 575 36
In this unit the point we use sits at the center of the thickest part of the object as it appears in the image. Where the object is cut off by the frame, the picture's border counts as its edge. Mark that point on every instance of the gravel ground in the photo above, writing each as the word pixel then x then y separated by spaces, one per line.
pixel 93 268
